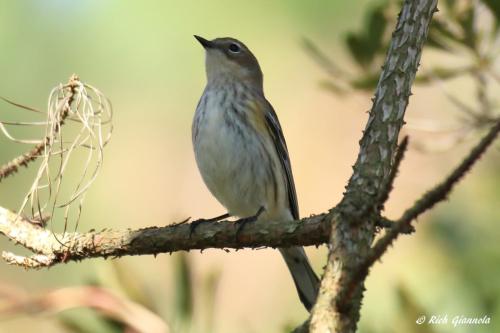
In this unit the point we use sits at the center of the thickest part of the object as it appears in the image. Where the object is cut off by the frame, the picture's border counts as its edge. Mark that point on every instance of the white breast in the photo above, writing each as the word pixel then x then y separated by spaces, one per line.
pixel 231 160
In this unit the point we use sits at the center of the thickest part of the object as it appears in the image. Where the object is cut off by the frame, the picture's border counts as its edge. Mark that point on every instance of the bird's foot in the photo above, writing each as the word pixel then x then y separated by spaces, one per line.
pixel 240 224
pixel 193 225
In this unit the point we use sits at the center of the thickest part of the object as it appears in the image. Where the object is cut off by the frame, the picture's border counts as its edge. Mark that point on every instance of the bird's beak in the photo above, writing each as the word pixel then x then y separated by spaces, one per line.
pixel 205 43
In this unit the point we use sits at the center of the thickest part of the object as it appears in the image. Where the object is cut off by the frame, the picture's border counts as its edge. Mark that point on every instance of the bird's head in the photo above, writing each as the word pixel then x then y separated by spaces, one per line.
pixel 229 59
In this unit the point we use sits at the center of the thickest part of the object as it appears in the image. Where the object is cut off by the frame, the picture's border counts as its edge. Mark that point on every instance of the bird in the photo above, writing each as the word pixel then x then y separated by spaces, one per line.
pixel 241 153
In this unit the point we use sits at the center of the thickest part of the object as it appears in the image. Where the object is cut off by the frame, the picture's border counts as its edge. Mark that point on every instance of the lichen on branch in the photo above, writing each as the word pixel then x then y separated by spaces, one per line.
pixel 50 249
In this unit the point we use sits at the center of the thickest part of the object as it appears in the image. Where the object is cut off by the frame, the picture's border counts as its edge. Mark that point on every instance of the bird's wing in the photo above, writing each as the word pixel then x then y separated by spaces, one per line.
pixel 274 127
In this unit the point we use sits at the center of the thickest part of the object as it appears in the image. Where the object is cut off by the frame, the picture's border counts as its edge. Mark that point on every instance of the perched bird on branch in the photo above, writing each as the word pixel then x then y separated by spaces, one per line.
pixel 241 151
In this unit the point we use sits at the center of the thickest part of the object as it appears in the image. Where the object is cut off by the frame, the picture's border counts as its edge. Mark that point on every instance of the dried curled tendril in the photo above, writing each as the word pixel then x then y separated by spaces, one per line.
pixel 78 126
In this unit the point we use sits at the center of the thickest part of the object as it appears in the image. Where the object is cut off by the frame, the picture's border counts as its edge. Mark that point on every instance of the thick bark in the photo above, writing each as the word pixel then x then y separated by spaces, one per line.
pixel 354 228
pixel 51 249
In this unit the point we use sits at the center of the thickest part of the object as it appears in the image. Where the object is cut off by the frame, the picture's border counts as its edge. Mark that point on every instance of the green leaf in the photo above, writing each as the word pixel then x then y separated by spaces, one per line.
pixel 332 86
pixel 184 288
pixel 211 284
pixel 436 43
pixel 410 310
pixel 367 82
pixel 367 43
pixel 466 21
pixel 357 46
pixel 494 6
pixel 441 73
pixel 88 321
pixel 321 58
pixel 449 4
pixel 377 24
pixel 440 36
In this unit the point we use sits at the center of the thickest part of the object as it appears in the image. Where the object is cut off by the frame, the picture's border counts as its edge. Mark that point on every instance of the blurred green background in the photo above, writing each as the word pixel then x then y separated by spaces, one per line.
pixel 141 54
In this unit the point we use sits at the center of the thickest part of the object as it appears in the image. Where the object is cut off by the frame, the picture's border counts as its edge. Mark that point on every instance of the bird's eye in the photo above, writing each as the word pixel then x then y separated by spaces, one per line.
pixel 234 48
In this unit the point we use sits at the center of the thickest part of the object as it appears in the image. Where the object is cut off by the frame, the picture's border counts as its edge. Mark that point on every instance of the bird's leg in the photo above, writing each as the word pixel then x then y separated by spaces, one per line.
pixel 241 222
pixel 193 225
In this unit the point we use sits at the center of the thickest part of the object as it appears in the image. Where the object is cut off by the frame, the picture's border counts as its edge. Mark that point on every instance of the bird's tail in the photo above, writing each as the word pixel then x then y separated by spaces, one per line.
pixel 306 281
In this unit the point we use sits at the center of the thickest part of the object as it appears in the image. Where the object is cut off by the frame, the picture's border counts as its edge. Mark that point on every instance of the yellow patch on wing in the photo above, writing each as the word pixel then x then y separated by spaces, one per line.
pixel 257 117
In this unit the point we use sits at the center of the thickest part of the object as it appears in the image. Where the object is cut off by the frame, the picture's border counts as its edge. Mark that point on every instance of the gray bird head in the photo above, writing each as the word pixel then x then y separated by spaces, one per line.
pixel 229 59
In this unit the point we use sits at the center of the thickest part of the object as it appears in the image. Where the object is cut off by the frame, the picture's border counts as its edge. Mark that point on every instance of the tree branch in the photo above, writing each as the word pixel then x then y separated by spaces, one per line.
pixel 50 249
pixel 426 202
pixel 432 197
pixel 354 228
pixel 389 181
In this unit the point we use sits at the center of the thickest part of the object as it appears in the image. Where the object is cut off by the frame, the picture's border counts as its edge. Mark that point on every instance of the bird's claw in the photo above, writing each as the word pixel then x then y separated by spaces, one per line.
pixel 240 224
pixel 193 225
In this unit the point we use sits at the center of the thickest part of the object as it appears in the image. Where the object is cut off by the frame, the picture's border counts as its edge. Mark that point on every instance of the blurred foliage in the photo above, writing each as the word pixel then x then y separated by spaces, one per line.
pixel 181 316
pixel 469 239
pixel 410 310
pixel 457 27
pixel 468 33
pixel 88 322
pixel 464 29
pixel 210 287
pixel 184 290
pixel 365 45
pixel 120 279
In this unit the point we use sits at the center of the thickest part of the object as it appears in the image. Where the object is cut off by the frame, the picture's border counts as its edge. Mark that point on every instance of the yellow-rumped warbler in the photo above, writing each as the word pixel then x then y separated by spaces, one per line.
pixel 241 151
